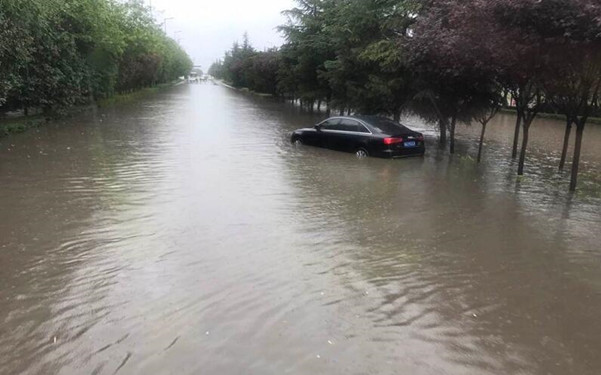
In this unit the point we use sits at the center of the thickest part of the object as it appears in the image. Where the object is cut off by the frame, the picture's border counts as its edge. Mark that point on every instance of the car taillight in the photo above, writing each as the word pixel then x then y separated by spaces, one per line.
pixel 391 141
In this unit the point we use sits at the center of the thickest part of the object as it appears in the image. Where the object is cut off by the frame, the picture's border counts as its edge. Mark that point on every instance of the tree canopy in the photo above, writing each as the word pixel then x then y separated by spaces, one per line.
pixel 59 53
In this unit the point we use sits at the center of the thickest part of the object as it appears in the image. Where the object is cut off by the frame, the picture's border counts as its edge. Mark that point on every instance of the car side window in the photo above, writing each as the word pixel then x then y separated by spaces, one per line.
pixel 363 129
pixel 353 126
pixel 331 125
pixel 348 125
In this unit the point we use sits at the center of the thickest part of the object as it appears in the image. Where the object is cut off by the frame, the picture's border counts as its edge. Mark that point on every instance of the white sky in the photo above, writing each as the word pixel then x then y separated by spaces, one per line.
pixel 209 27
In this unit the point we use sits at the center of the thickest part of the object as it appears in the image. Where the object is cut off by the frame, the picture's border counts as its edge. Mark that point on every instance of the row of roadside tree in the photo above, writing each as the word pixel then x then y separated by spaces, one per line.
pixel 448 61
pixel 55 54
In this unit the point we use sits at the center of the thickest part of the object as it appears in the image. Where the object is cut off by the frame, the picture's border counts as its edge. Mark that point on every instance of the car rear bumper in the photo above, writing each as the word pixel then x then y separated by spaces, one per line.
pixel 403 153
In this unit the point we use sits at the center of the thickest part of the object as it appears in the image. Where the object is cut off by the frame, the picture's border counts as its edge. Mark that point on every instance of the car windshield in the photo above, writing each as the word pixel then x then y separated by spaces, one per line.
pixel 386 126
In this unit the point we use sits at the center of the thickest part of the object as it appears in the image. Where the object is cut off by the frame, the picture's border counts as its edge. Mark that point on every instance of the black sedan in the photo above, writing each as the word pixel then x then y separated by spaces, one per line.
pixel 363 135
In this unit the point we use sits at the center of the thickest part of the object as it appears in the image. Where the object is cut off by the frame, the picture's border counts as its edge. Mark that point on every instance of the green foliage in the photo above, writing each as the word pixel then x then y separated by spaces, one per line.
pixel 19 125
pixel 371 56
pixel 244 67
pixel 347 53
pixel 58 53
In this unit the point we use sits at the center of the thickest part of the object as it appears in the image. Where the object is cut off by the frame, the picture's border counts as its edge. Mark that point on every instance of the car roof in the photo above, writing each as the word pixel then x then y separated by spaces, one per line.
pixel 364 118
pixel 356 117
pixel 368 118
pixel 371 121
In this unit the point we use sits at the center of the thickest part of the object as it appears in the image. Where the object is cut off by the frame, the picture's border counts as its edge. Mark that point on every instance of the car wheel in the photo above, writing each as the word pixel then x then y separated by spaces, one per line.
pixel 297 141
pixel 362 153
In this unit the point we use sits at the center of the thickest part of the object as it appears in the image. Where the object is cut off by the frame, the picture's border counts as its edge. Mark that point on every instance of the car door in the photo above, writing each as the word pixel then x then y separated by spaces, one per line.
pixel 317 137
pixel 349 137
pixel 329 131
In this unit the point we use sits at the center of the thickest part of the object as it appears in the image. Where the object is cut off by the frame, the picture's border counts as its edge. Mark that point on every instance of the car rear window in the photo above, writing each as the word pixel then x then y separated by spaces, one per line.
pixel 385 126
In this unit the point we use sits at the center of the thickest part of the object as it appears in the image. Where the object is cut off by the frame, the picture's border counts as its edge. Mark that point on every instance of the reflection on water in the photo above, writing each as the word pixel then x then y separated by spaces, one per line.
pixel 184 234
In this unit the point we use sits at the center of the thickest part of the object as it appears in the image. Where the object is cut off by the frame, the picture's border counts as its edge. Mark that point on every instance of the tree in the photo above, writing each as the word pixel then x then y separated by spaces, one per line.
pixel 308 48
pixel 456 80
pixel 564 58
pixel 244 67
pixel 457 60
pixel 60 53
pixel 518 52
pixel 217 69
pixel 489 111
pixel 15 47
pixel 263 74
pixel 371 67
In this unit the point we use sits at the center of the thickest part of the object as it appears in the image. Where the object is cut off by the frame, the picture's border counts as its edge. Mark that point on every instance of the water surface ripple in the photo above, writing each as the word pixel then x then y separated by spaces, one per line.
pixel 184 234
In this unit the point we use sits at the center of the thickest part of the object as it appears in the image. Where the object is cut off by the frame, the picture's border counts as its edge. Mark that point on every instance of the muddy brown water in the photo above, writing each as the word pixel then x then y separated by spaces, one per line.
pixel 183 234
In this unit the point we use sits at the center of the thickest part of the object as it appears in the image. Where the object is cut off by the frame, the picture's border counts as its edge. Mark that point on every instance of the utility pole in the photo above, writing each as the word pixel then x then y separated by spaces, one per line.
pixel 165 23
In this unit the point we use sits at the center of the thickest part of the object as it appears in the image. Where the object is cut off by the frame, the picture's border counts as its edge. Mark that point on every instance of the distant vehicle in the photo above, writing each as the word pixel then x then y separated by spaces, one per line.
pixel 363 135
pixel 196 76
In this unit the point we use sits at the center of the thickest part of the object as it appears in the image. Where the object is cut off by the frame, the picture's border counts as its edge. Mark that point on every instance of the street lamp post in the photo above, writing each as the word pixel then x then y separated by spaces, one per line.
pixel 165 23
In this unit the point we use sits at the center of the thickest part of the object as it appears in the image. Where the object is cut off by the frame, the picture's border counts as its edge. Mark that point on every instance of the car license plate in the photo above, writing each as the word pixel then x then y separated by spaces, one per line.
pixel 410 144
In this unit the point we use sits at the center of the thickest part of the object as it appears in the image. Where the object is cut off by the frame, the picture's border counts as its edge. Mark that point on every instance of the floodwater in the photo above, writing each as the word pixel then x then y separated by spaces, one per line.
pixel 183 234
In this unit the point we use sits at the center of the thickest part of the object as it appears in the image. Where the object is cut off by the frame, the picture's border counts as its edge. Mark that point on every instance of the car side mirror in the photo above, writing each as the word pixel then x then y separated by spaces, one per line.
pixel 318 127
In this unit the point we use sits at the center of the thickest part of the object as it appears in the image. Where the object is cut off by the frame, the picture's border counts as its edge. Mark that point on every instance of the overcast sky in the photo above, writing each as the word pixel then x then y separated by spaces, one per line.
pixel 207 28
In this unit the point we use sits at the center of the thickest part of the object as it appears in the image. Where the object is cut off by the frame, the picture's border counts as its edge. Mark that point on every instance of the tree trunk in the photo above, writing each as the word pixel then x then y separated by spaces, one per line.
pixel 311 105
pixel 576 161
pixel 481 142
pixel 453 126
pixel 341 111
pixel 566 143
pixel 442 124
pixel 526 130
pixel 328 109
pixel 516 136
pixel 319 106
pixel 348 113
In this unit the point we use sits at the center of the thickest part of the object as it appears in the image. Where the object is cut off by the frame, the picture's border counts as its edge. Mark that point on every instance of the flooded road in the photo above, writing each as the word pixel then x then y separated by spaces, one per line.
pixel 183 234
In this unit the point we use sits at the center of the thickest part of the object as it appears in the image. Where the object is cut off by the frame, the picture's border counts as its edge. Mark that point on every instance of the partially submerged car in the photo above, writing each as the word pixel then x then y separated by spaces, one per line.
pixel 363 135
